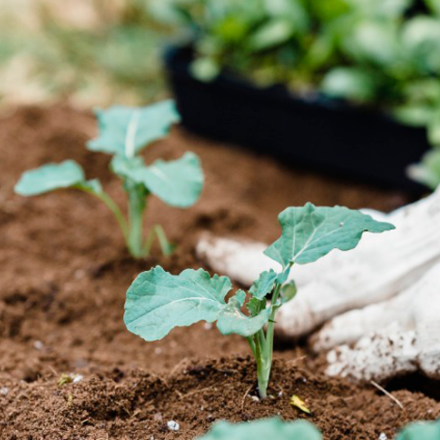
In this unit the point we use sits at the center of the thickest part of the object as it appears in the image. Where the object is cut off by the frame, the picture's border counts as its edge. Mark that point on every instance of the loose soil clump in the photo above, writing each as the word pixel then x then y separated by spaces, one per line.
pixel 64 273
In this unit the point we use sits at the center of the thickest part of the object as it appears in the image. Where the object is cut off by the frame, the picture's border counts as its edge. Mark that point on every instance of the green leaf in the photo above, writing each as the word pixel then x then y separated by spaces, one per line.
pixel 178 182
pixel 309 233
pixel 275 32
pixel 256 306
pixel 264 284
pixel 262 430
pixel 126 130
pixel 240 295
pixel 288 291
pixel 205 69
pixel 421 431
pixel 158 301
pixel 128 167
pixel 427 171
pixel 232 320
pixel 349 83
pixel 49 178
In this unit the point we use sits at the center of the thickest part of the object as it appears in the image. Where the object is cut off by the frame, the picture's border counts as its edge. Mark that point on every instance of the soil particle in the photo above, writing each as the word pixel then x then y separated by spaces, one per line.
pixel 64 273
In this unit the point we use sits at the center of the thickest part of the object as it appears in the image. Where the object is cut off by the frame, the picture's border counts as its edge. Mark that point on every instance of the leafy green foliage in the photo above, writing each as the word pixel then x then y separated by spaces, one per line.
pixel 302 430
pixel 421 430
pixel 264 284
pixel 49 178
pixel 158 301
pixel 177 183
pixel 124 132
pixel 378 53
pixel 262 430
pixel 309 232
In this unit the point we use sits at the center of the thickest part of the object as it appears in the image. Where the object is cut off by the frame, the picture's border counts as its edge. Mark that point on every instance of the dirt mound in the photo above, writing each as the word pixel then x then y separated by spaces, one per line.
pixel 64 273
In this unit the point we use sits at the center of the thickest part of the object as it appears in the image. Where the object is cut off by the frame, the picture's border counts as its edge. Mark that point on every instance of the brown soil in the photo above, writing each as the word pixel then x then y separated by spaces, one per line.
pixel 64 273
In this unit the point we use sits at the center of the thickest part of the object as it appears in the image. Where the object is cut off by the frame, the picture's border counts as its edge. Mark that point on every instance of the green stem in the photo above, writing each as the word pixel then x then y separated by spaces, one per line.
pixel 158 232
pixel 114 208
pixel 136 207
pixel 264 363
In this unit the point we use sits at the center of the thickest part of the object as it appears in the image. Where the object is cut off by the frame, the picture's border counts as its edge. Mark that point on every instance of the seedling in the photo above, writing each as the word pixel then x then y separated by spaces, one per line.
pixel 158 301
pixel 263 430
pixel 421 430
pixel 124 132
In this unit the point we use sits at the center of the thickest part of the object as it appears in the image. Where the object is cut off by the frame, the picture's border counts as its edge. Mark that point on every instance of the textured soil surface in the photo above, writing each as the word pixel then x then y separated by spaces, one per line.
pixel 63 276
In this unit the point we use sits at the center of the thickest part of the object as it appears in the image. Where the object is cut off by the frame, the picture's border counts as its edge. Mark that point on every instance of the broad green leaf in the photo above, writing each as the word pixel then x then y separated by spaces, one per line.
pixel 427 171
pixel 349 83
pixel 420 38
pixel 288 291
pixel 264 284
pixel 434 130
pixel 49 178
pixel 178 182
pixel 158 301
pixel 126 130
pixel 417 115
pixel 205 69
pixel 256 306
pixel 421 431
pixel 232 320
pixel 240 296
pixel 128 167
pixel 310 232
pixel 373 41
pixel 262 430
pixel 275 32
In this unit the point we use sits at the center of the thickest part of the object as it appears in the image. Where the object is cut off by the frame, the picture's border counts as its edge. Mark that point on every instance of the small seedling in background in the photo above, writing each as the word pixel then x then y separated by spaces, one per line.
pixel 262 430
pixel 124 132
pixel 158 301
pixel 421 431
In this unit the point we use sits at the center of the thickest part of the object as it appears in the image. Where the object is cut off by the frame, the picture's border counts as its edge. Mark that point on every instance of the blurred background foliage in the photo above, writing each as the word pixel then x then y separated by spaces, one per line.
pixel 90 52
pixel 381 53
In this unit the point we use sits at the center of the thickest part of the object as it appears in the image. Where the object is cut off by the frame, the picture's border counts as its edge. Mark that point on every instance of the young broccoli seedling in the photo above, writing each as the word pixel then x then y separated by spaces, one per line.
pixel 158 301
pixel 124 132
pixel 263 429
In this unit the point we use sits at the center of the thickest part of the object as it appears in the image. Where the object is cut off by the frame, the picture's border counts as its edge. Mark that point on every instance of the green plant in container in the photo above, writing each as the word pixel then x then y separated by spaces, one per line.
pixel 124 132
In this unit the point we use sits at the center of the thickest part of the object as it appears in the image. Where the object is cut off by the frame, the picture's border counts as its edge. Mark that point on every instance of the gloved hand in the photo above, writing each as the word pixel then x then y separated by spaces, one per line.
pixel 383 296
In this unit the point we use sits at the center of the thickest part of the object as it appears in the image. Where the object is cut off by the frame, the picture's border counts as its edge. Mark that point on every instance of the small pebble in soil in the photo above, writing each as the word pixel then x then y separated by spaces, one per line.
pixel 158 350
pixel 4 391
pixel 77 378
pixel 255 398
pixel 207 326
pixel 173 426
pixel 383 436
pixel 38 345
pixel 79 274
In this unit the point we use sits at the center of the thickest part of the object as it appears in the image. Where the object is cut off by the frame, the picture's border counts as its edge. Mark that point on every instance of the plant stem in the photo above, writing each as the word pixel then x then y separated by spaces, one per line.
pixel 136 207
pixel 262 347
pixel 114 208
pixel 158 232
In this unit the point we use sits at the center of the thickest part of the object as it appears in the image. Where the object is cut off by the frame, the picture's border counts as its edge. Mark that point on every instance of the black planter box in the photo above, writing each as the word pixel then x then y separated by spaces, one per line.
pixel 323 134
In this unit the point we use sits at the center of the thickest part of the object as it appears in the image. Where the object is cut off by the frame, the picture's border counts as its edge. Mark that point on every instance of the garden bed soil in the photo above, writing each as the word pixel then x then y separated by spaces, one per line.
pixel 64 273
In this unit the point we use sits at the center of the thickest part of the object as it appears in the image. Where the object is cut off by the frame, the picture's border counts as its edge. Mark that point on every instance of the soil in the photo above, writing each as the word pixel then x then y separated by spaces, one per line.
pixel 64 273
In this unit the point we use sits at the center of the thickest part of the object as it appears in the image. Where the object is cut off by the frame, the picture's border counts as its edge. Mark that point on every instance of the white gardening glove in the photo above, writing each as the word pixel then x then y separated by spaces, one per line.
pixel 383 267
